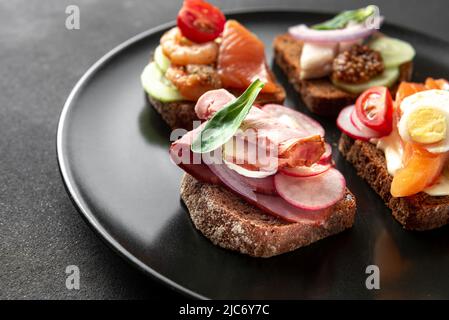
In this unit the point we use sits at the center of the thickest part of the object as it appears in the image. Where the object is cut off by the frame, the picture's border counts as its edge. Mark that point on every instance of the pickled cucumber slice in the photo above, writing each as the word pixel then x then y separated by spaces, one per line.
pixel 157 86
pixel 161 60
pixel 394 51
pixel 387 79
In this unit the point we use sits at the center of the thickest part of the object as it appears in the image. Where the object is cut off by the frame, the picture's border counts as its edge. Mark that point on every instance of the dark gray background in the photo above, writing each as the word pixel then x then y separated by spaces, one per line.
pixel 40 61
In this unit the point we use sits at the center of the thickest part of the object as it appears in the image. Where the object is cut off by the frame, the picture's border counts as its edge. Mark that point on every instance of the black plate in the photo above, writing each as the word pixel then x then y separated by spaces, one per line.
pixel 112 151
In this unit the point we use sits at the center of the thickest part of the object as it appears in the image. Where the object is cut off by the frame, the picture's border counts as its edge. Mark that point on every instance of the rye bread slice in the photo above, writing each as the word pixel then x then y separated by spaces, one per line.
pixel 319 95
pixel 417 212
pixel 181 114
pixel 230 222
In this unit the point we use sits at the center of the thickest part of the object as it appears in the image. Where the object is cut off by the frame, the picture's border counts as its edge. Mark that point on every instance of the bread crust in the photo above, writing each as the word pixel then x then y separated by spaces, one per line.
pixel 178 114
pixel 417 212
pixel 319 95
pixel 231 223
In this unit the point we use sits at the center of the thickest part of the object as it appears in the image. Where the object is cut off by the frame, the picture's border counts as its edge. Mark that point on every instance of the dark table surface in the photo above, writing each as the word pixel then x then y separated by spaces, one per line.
pixel 40 61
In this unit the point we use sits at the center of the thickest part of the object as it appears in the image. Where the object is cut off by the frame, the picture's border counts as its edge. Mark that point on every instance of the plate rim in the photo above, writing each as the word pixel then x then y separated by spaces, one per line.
pixel 87 213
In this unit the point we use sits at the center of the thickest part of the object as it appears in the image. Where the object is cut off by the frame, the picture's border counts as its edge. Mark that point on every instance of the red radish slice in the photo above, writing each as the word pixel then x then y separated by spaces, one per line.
pixel 271 204
pixel 345 124
pixel 294 119
pixel 303 171
pixel 327 155
pixel 359 125
pixel 354 120
pixel 311 193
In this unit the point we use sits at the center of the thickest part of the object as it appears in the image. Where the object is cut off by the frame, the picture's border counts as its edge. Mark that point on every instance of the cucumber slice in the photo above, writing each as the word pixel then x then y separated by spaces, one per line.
pixel 394 51
pixel 161 60
pixel 387 79
pixel 157 86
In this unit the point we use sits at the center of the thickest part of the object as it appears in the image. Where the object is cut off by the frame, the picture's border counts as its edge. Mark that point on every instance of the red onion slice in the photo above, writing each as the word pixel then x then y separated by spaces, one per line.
pixel 355 32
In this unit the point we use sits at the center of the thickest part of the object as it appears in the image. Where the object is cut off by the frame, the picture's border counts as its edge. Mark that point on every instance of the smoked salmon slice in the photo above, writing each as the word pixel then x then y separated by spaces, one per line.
pixel 241 59
pixel 407 89
pixel 440 84
pixel 421 169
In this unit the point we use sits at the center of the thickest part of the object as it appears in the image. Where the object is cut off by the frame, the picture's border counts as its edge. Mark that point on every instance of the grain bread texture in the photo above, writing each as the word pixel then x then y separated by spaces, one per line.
pixel 417 212
pixel 181 114
pixel 232 223
pixel 319 95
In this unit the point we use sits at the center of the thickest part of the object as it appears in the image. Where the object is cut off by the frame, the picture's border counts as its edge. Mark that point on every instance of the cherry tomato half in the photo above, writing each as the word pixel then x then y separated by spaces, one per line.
pixel 374 108
pixel 200 21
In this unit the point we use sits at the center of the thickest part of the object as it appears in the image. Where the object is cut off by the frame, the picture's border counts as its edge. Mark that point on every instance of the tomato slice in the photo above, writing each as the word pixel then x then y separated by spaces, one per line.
pixel 374 108
pixel 199 21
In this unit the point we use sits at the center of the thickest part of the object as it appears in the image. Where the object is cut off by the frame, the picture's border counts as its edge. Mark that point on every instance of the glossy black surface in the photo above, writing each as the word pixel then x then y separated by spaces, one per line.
pixel 112 148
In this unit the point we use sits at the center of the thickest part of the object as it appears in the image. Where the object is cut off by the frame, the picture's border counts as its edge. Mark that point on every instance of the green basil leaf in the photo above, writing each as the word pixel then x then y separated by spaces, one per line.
pixel 341 20
pixel 225 122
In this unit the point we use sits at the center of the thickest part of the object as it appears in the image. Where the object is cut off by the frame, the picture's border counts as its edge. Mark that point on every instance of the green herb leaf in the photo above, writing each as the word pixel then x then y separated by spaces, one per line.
pixel 225 122
pixel 341 20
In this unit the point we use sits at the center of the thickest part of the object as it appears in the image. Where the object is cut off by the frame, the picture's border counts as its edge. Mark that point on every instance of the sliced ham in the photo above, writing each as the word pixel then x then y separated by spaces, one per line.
pixel 200 171
pixel 182 156
pixel 211 102
pixel 296 141
pixel 263 185
pixel 269 152
pixel 300 151
pixel 271 204
pixel 294 119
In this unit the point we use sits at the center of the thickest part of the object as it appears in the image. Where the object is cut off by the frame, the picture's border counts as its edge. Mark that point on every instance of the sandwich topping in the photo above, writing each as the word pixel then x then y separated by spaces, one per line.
pixel 412 132
pixel 350 52
pixel 272 156
pixel 358 64
pixel 204 52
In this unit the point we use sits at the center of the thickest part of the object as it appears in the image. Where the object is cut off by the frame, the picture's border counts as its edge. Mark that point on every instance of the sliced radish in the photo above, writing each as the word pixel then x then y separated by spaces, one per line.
pixel 354 121
pixel 294 119
pixel 311 193
pixel 346 125
pixel 253 174
pixel 327 155
pixel 271 204
pixel 359 125
pixel 303 171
